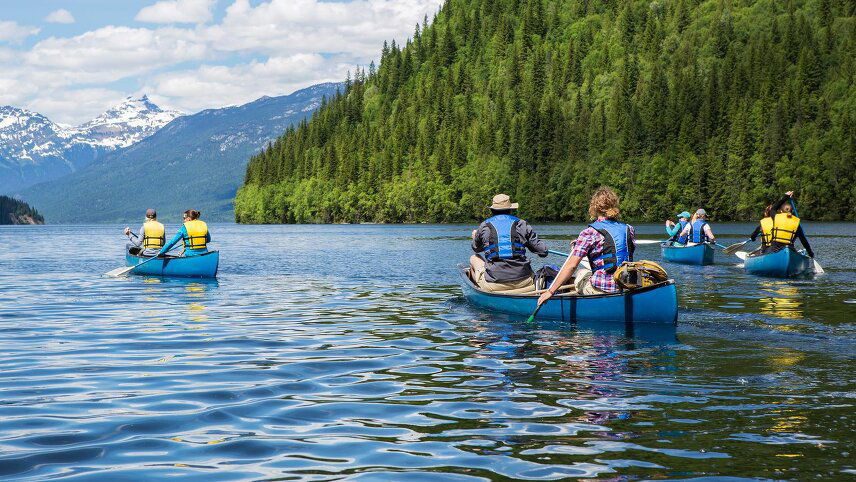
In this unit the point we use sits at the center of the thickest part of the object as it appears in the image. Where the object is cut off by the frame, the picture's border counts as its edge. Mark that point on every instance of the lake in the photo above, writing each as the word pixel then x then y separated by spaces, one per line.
pixel 347 352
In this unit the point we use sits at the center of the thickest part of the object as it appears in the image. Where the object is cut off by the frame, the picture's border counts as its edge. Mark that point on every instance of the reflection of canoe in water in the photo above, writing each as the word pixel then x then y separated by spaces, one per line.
pixel 200 266
pixel 785 263
pixel 699 254
pixel 653 304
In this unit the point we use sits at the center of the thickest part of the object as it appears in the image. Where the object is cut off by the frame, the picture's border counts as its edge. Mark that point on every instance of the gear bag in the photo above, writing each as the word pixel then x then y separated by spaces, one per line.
pixel 639 274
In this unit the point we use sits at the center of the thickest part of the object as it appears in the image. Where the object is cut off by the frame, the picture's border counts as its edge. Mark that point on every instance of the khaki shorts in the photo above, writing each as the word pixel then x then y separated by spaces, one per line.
pixel 582 282
pixel 523 285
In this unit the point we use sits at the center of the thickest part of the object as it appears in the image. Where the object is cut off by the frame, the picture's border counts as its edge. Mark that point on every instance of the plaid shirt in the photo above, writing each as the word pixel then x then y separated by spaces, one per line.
pixel 590 242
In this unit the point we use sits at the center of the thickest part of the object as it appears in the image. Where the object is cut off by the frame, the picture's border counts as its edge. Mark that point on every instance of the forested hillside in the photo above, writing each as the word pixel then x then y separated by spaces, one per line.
pixel 13 211
pixel 721 104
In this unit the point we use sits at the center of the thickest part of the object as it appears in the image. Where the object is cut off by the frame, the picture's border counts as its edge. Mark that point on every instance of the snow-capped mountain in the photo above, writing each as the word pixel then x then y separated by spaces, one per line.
pixel 34 149
pixel 125 124
pixel 196 161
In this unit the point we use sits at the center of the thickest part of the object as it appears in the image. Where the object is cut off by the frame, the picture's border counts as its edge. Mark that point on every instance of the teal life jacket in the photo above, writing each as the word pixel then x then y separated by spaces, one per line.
pixel 504 242
pixel 617 247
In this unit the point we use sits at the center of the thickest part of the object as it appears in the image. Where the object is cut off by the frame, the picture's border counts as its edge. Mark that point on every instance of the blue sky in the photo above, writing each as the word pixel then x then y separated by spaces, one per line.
pixel 71 60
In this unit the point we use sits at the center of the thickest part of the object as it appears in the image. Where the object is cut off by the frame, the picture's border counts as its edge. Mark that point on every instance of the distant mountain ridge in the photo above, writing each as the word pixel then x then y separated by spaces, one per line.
pixel 196 161
pixel 35 149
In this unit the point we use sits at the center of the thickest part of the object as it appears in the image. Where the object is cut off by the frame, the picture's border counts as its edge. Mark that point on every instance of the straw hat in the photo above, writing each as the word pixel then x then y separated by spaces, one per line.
pixel 502 202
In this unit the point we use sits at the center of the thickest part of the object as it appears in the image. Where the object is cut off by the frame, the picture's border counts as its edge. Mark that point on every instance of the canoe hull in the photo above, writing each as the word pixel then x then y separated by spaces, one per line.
pixel 201 266
pixel 700 254
pixel 654 304
pixel 785 263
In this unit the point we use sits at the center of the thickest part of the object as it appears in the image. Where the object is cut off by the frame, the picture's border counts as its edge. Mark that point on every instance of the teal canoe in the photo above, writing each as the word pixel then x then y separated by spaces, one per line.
pixel 199 266
pixel 653 304
pixel 785 263
pixel 699 254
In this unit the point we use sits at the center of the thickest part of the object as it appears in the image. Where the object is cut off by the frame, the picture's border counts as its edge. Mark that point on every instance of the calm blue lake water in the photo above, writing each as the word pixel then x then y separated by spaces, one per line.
pixel 347 352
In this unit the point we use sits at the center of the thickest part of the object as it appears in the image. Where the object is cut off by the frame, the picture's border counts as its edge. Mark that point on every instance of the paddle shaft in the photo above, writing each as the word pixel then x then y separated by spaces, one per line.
pixel 538 308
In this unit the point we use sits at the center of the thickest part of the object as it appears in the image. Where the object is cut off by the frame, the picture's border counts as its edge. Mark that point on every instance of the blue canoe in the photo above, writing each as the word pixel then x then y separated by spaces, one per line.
pixel 785 263
pixel 700 254
pixel 200 266
pixel 653 304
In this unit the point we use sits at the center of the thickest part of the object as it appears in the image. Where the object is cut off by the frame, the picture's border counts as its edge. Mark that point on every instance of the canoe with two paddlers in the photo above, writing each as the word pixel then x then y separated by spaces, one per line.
pixel 199 266
pixel 699 254
pixel 657 303
pixel 785 263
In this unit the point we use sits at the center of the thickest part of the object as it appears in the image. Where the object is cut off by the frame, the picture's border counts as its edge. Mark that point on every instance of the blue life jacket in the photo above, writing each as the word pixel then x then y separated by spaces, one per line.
pixel 677 237
pixel 504 241
pixel 616 245
pixel 697 234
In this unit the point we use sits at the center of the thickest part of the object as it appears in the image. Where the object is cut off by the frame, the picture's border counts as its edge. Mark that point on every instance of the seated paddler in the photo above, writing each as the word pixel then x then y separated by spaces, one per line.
pixel 500 244
pixel 674 230
pixel 786 228
pixel 194 234
pixel 606 243
pixel 152 235
pixel 698 230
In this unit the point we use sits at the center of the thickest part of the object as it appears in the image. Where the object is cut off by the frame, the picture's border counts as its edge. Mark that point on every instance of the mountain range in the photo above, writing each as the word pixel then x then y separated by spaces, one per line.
pixel 35 149
pixel 195 161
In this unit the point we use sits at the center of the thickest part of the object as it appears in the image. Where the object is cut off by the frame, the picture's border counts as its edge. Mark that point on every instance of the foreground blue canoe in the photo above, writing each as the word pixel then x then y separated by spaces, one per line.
pixel 201 266
pixel 786 263
pixel 700 254
pixel 653 304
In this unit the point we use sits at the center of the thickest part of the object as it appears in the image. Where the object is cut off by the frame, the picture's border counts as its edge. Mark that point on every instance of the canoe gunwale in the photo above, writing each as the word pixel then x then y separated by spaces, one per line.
pixel 464 269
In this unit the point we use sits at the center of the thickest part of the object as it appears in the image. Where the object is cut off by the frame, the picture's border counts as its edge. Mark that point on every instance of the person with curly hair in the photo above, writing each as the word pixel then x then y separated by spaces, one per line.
pixel 606 243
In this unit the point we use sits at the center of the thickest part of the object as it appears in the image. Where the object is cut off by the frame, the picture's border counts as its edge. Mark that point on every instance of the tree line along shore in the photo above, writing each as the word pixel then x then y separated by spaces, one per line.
pixel 675 104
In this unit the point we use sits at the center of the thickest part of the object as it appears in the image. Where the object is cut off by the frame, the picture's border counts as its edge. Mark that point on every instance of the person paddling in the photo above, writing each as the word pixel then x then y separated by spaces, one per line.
pixel 786 227
pixel 500 244
pixel 698 230
pixel 607 242
pixel 765 229
pixel 674 230
pixel 152 234
pixel 193 232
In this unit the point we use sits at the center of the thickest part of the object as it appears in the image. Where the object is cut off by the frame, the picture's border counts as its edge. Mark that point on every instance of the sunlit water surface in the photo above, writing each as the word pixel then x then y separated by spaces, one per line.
pixel 348 352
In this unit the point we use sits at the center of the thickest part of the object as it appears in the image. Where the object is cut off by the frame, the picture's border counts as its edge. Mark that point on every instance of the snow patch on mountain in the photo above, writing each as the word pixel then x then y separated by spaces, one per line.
pixel 34 149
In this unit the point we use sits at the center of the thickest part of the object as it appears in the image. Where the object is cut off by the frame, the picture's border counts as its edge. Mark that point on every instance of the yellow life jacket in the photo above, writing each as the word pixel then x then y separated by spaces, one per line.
pixel 196 231
pixel 785 227
pixel 766 231
pixel 153 235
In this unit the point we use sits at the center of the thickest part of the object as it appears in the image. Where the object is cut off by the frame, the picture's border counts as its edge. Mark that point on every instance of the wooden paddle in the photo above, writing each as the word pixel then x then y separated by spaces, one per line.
pixel 734 248
pixel 538 308
pixel 127 269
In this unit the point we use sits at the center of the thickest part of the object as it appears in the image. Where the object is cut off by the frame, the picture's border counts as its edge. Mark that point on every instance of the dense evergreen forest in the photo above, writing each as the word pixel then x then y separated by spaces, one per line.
pixel 13 211
pixel 678 104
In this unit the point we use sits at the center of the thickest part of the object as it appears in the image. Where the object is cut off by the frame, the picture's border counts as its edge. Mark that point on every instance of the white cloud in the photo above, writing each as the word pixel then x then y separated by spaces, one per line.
pixel 297 43
pixel 112 53
pixel 13 33
pixel 60 16
pixel 216 85
pixel 177 11
pixel 74 106
pixel 289 26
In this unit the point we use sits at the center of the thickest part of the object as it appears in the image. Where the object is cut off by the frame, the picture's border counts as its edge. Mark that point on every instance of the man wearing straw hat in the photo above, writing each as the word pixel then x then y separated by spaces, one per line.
pixel 500 244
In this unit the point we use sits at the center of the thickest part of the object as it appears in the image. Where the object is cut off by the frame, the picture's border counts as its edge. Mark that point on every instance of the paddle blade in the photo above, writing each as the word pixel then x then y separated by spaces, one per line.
pixel 734 248
pixel 818 269
pixel 741 254
pixel 119 271
pixel 531 318
pixel 648 241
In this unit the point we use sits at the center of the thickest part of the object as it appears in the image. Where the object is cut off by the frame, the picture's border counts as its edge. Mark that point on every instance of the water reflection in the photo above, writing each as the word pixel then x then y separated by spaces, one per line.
pixel 785 302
